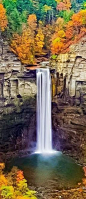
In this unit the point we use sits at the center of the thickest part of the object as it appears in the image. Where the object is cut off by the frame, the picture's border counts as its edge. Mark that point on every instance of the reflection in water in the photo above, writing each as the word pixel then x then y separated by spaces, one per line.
pixel 53 171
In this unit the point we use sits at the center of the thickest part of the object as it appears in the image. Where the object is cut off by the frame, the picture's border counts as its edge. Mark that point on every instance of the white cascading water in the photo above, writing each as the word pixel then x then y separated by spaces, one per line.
pixel 44 127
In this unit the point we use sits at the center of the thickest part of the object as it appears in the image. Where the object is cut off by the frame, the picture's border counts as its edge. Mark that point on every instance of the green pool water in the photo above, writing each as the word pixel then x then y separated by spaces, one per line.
pixel 53 171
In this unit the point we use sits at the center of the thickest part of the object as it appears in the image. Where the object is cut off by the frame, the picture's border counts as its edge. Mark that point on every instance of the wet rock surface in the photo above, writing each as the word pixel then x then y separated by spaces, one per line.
pixel 74 193
pixel 18 129
pixel 69 130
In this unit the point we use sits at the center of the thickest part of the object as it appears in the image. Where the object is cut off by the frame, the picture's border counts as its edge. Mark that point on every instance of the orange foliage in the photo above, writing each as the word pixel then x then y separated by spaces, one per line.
pixel 69 34
pixel 20 176
pixel 3 18
pixel 3 180
pixel 57 46
pixel 77 19
pixel 30 42
pixel 23 46
pixel 67 4
pixel 32 22
pixel 22 197
pixel 69 30
pixel 58 41
pixel 80 190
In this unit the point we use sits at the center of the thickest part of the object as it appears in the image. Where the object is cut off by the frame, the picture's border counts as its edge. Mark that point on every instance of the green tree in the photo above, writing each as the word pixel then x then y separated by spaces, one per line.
pixel 15 23
pixel 23 5
pixel 10 5
pixel 67 14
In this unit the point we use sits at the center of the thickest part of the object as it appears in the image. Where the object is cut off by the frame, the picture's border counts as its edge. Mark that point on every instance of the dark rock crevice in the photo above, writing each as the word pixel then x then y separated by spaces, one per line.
pixel 18 128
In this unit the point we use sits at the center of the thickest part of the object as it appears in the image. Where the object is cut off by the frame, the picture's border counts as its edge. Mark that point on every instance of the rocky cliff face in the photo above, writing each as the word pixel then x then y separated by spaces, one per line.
pixel 69 130
pixel 72 66
pixel 18 127
pixel 17 104
pixel 69 110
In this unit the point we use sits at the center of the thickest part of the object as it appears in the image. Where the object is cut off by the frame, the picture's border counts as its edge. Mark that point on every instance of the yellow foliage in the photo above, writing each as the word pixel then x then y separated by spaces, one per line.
pixel 39 41
pixel 30 42
pixel 58 1
pixel 57 46
pixel 46 8
pixel 22 197
pixel 61 34
pixel 23 46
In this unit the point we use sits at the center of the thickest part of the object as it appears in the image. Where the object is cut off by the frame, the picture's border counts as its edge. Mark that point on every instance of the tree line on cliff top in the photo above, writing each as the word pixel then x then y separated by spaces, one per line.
pixel 38 27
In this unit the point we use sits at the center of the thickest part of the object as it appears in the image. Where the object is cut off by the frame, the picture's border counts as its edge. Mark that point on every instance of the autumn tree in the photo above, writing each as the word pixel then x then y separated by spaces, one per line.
pixel 58 41
pixel 39 42
pixel 23 46
pixel 59 24
pixel 30 42
pixel 3 18
pixel 69 30
pixel 64 5
pixel 32 22
pixel 69 33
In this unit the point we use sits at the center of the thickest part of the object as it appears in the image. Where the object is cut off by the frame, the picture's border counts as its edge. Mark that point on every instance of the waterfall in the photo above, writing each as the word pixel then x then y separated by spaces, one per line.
pixel 44 127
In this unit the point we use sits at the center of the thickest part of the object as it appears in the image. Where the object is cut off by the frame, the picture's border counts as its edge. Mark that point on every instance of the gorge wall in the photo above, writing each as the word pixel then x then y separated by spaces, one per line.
pixel 72 66
pixel 69 109
pixel 17 103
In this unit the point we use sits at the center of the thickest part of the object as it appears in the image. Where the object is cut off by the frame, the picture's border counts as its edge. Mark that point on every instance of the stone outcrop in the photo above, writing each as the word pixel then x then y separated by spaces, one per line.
pixel 69 112
pixel 72 66
pixel 8 59
pixel 14 79
pixel 69 130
